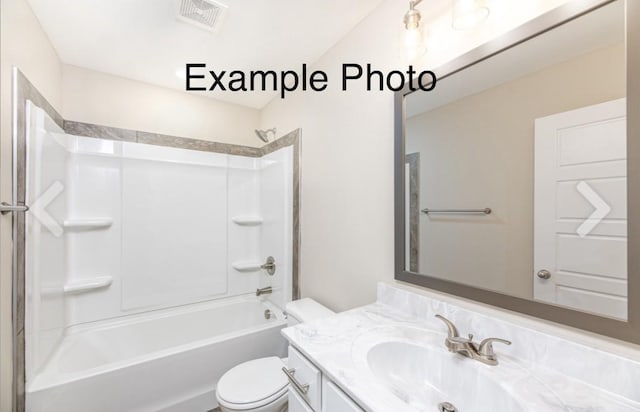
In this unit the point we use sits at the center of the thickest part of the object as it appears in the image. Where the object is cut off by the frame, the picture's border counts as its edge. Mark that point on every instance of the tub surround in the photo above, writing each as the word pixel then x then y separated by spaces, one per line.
pixel 293 139
pixel 121 193
pixel 575 376
pixel 267 155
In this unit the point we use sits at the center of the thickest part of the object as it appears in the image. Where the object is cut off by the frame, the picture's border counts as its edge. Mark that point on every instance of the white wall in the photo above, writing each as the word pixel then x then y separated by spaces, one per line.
pixel 93 97
pixel 347 149
pixel 22 44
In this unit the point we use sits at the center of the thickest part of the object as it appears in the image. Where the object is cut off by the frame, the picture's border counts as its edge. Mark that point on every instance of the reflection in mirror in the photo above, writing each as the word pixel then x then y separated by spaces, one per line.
pixel 518 164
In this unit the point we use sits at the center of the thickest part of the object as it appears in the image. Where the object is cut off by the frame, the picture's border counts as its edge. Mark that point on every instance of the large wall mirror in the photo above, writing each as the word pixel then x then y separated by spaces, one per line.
pixel 515 176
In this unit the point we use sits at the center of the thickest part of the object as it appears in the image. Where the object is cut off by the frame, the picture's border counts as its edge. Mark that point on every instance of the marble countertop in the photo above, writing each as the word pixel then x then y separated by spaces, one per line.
pixel 338 345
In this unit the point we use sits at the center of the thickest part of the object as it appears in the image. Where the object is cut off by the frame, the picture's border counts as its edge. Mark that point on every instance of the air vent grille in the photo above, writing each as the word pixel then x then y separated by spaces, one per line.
pixel 206 14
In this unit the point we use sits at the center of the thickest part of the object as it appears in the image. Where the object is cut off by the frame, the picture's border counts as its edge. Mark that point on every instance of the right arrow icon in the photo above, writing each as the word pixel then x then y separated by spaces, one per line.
pixel 602 209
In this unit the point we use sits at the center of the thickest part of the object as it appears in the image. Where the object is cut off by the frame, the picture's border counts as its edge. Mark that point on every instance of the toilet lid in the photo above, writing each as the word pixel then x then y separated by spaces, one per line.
pixel 256 382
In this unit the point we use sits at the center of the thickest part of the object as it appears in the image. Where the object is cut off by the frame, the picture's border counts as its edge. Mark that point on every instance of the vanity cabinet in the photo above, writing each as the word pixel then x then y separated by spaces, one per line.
pixel 311 391
pixel 305 373
pixel 334 400
pixel 296 403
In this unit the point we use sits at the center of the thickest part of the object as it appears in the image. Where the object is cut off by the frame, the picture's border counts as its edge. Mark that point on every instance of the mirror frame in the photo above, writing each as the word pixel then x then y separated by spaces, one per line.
pixel 627 331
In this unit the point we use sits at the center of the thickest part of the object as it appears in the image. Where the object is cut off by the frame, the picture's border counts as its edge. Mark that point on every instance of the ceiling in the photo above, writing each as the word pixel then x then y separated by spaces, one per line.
pixel 143 40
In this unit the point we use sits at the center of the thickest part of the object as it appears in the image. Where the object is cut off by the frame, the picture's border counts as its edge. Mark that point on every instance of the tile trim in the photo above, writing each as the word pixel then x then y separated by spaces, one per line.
pixel 413 159
pixel 94 130
pixel 136 136
pixel 22 90
pixel 293 139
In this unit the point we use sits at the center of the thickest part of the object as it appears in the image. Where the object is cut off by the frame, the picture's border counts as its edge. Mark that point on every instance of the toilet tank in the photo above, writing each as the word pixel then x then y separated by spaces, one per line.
pixel 305 310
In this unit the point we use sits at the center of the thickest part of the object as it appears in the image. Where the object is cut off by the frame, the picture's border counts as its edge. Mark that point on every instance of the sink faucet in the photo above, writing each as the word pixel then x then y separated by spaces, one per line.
pixel 482 351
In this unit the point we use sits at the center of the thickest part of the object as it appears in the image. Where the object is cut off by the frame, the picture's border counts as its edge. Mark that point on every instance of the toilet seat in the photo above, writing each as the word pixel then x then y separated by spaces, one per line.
pixel 252 385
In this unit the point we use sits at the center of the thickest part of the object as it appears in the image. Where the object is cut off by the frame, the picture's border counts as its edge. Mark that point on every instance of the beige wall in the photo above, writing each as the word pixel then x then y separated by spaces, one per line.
pixel 347 164
pixel 94 97
pixel 22 44
pixel 486 160
pixel 347 150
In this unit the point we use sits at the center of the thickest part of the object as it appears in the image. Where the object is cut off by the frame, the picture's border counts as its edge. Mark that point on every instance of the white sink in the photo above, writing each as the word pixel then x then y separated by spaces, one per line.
pixel 432 376
pixel 423 375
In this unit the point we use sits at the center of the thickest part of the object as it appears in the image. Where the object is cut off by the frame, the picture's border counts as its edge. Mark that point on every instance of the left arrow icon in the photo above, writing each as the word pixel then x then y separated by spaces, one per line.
pixel 39 212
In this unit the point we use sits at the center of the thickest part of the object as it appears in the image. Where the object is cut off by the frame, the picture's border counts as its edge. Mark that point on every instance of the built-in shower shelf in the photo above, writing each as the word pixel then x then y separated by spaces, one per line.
pixel 246 266
pixel 88 224
pixel 247 220
pixel 87 285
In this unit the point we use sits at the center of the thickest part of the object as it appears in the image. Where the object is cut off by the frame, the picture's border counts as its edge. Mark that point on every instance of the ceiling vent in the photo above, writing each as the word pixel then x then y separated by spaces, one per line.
pixel 205 14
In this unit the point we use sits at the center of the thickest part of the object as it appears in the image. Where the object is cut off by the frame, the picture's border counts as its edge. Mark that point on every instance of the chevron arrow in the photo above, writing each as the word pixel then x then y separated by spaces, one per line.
pixel 39 212
pixel 601 209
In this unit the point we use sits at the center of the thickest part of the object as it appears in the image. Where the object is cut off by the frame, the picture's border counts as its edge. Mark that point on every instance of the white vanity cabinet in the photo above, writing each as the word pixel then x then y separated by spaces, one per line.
pixel 296 403
pixel 310 391
pixel 305 378
pixel 334 400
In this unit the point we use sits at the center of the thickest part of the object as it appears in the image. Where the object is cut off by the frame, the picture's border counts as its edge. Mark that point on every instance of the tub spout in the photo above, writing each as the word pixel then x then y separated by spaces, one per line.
pixel 264 291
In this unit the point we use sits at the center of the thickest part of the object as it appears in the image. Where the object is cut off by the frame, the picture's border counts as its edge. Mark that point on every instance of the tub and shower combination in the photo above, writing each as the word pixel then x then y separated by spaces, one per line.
pixel 142 266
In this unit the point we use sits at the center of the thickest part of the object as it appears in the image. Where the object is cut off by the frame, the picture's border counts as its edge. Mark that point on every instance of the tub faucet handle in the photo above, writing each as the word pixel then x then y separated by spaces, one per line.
pixel 269 266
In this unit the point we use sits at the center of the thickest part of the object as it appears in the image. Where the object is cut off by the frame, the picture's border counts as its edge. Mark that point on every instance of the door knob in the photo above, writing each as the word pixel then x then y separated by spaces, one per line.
pixel 544 274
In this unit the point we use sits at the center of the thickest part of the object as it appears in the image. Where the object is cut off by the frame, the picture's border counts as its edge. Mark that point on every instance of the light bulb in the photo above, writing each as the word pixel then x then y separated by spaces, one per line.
pixel 413 35
pixel 467 14
pixel 414 42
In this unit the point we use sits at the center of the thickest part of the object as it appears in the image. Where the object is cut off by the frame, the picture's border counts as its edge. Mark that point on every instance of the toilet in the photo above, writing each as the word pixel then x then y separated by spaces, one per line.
pixel 259 385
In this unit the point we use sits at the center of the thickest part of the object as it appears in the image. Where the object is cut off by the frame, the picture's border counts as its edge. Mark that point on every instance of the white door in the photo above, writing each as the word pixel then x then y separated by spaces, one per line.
pixel 580 211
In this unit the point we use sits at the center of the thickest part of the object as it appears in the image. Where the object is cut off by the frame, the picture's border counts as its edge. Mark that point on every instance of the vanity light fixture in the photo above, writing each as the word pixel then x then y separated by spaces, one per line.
pixel 467 14
pixel 414 35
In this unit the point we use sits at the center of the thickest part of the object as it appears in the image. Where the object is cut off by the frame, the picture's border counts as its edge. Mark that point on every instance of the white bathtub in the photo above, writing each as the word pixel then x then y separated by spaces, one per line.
pixel 167 360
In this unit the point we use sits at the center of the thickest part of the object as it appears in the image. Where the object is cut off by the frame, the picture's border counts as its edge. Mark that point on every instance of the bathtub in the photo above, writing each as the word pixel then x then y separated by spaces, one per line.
pixel 168 360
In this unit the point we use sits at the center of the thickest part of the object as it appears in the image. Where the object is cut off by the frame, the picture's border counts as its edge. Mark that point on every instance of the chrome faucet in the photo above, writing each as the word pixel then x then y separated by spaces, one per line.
pixel 482 351
pixel 264 291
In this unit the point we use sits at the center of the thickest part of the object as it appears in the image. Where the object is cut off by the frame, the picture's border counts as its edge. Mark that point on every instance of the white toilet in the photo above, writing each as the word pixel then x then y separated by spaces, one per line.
pixel 259 385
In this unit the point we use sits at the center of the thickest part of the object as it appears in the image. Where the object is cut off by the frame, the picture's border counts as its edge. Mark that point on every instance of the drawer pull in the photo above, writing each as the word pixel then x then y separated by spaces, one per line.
pixel 302 388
